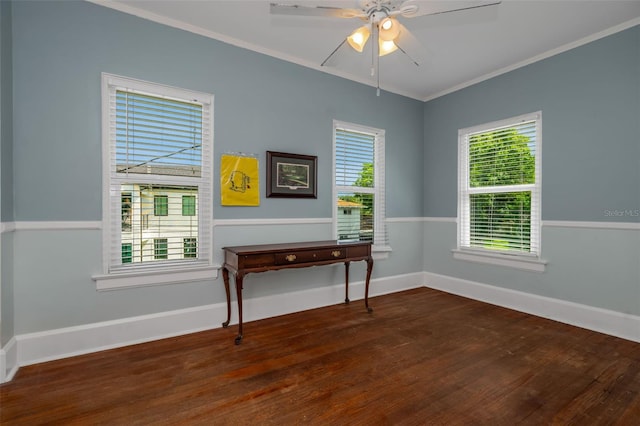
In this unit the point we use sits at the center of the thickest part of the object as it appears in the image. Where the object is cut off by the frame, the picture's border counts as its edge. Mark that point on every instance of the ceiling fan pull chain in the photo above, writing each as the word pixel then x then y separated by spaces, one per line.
pixel 373 50
pixel 375 58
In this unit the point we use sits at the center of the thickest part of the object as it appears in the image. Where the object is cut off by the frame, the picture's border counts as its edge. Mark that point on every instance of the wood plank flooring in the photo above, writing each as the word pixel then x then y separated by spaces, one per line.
pixel 422 357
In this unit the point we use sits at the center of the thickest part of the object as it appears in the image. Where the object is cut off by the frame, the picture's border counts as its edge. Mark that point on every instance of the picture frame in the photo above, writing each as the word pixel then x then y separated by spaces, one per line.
pixel 291 175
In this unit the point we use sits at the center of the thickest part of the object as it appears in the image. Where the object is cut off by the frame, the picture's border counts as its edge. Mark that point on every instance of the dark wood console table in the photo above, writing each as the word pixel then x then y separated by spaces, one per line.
pixel 241 260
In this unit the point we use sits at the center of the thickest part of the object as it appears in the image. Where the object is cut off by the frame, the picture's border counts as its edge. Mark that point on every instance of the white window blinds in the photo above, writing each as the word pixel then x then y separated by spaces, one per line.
pixel 160 149
pixel 157 135
pixel 499 194
pixel 359 185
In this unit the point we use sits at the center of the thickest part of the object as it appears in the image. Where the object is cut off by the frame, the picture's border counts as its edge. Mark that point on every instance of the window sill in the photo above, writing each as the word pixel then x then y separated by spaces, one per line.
pixel 156 277
pixel 380 252
pixel 510 261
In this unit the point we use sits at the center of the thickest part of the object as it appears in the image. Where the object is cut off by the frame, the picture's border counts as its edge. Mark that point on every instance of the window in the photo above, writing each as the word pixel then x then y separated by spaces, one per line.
pixel 188 205
pixel 127 253
pixel 190 247
pixel 160 248
pixel 126 212
pixel 158 168
pixel 499 188
pixel 160 205
pixel 359 199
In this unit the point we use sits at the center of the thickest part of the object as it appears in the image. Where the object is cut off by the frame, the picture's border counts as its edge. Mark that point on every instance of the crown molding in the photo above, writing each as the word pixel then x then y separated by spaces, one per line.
pixel 537 58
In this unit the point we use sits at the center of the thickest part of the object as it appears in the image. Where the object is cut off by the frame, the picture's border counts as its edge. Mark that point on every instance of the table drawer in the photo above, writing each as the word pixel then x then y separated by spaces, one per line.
pixel 305 256
pixel 255 260
pixel 357 251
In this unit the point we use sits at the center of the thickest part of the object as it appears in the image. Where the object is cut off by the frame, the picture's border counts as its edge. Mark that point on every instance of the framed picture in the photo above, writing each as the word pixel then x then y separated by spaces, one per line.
pixel 291 175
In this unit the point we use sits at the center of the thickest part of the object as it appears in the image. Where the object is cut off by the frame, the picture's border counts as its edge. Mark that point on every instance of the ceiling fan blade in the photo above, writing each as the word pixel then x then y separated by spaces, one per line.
pixel 409 45
pixel 324 11
pixel 325 62
pixel 411 9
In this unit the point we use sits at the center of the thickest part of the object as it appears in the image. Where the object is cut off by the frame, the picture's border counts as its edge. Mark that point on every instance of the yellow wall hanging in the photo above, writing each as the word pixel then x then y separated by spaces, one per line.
pixel 239 180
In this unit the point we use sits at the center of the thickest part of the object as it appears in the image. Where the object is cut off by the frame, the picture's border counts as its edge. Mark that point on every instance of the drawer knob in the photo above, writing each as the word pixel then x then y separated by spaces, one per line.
pixel 335 253
pixel 291 257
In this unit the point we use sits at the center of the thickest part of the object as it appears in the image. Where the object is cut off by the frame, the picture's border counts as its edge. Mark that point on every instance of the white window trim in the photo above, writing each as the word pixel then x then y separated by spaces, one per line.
pixel 380 244
pixel 159 273
pixel 523 261
pixel 511 261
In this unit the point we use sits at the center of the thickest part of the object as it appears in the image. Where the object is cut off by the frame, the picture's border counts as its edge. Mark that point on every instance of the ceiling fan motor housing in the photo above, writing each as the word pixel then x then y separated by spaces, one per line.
pixel 378 15
pixel 377 10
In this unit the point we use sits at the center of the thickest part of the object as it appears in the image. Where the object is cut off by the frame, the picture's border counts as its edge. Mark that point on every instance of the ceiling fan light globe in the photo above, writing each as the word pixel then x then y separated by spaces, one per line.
pixel 389 28
pixel 359 38
pixel 386 47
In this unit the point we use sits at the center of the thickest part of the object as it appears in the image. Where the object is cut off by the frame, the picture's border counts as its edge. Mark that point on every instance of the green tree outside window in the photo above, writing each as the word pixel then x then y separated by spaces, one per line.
pixel 500 159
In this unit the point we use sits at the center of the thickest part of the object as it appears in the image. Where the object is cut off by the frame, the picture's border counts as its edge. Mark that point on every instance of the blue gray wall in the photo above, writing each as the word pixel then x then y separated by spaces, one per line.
pixel 51 162
pixel 261 103
pixel 60 50
pixel 590 102
pixel 6 173
pixel 6 114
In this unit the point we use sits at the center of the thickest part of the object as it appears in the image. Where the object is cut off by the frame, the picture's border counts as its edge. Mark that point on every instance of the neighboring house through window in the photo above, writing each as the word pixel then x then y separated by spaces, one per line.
pixel 160 205
pixel 188 205
pixel 126 253
pixel 499 192
pixel 160 248
pixel 126 212
pixel 190 247
pixel 158 162
pixel 358 186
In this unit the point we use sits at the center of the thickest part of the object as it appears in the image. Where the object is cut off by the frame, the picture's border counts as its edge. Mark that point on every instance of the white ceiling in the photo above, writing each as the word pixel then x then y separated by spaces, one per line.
pixel 459 48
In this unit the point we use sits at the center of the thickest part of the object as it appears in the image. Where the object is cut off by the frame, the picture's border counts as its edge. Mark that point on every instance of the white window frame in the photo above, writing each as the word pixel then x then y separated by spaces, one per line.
pixel 115 274
pixel 524 261
pixel 380 235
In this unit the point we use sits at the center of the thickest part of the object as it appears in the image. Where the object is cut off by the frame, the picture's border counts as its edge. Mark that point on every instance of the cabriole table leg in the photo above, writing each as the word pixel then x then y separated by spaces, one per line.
pixel 239 279
pixel 225 277
pixel 366 291
pixel 346 282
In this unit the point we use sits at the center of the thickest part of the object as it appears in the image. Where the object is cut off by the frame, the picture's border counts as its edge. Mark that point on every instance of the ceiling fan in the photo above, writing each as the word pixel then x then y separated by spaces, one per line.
pixel 382 24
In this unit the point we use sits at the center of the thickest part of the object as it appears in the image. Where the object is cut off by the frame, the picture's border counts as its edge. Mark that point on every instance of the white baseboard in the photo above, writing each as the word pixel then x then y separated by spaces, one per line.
pixel 282 304
pixel 8 360
pixel 27 349
pixel 61 343
pixel 614 323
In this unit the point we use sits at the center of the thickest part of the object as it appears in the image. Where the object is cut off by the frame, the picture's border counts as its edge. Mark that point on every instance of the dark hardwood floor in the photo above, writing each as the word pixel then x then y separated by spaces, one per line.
pixel 422 357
